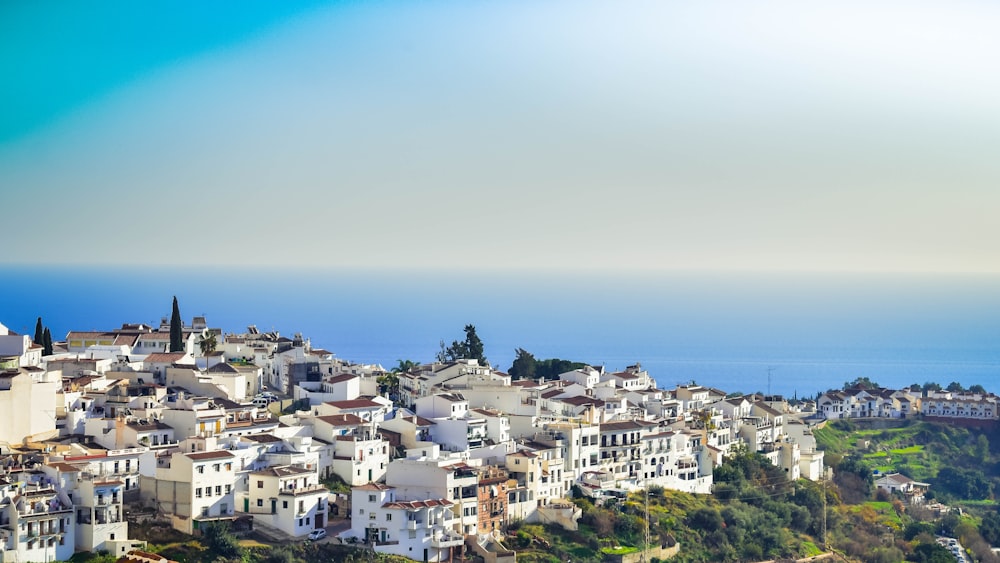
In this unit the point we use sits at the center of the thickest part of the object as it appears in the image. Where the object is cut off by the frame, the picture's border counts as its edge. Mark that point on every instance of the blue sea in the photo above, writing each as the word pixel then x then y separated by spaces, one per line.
pixel 789 333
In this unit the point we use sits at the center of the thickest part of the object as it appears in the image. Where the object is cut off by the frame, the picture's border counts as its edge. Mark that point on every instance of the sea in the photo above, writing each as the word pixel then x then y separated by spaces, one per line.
pixel 789 333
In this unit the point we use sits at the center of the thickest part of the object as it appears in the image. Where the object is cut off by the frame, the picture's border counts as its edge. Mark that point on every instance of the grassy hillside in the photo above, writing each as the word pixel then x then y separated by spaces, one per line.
pixel 915 448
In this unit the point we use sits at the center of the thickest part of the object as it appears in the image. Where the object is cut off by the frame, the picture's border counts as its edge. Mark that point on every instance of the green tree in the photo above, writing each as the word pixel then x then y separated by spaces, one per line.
pixel 932 553
pixel 981 451
pixel 471 348
pixel 207 342
pixel 39 332
pixel 854 479
pixel 551 368
pixel 403 366
pixel 388 384
pixel 47 342
pixel 217 537
pixel 861 383
pixel 955 387
pixel 989 528
pixel 967 484
pixel 931 386
pixel 474 345
pixel 977 388
pixel 176 332
pixel 524 365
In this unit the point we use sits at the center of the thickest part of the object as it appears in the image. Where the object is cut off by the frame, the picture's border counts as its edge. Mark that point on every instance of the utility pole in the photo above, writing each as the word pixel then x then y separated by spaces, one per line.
pixel 645 494
pixel 823 493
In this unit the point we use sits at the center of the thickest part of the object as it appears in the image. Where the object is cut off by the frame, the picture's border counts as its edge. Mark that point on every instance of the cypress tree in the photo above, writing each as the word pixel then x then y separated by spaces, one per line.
pixel 47 342
pixel 176 335
pixel 39 332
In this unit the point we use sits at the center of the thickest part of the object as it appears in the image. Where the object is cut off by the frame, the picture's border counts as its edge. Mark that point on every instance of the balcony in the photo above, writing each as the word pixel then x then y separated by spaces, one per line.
pixel 447 540
pixel 307 490
pixel 413 524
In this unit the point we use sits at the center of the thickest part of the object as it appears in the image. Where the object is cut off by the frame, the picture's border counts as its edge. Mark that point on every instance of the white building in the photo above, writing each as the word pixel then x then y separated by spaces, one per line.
pixel 288 498
pixel 435 476
pixel 422 528
pixel 36 521
pixel 28 404
pixel 194 488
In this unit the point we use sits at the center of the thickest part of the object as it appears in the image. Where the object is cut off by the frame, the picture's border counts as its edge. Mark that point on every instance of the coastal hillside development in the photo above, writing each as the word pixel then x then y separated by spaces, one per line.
pixel 439 458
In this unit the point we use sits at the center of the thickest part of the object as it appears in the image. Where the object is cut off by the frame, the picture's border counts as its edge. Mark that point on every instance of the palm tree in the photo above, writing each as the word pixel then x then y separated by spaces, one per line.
pixel 207 342
pixel 404 366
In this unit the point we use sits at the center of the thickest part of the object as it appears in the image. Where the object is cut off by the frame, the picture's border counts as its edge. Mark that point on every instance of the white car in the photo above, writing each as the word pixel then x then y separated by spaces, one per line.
pixel 317 534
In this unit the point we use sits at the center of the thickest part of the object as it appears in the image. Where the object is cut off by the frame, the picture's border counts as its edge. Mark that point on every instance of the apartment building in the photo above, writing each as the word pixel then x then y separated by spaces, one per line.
pixel 288 498
pixel 195 488
pixel 420 528
pixel 36 520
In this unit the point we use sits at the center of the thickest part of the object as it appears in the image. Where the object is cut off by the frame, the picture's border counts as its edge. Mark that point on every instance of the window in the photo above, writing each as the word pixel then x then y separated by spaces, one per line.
pixel 260 502
pixel 204 511
pixel 284 504
pixel 260 484
pixel 201 469
pixel 388 517
pixel 216 467
pixel 371 498
pixel 112 536
pixel 197 493
pixel 229 466
pixel 229 489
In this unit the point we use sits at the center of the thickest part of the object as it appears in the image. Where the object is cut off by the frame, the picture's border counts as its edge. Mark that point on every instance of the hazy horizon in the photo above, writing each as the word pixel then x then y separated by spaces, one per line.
pixel 814 330
pixel 554 135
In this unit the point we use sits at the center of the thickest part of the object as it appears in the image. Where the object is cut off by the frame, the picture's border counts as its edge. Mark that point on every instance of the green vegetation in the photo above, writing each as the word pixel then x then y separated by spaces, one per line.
pixel 917 449
pixel 176 329
pixel 471 348
pixel 43 337
pixel 208 342
pixel 525 366
pixel 336 484
pixel 39 337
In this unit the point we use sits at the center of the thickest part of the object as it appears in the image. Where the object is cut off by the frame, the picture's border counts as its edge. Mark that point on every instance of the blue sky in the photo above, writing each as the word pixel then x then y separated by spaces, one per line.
pixel 768 136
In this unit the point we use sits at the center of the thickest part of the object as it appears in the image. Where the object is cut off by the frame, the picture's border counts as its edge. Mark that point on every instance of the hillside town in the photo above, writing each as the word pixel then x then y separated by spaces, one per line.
pixel 245 428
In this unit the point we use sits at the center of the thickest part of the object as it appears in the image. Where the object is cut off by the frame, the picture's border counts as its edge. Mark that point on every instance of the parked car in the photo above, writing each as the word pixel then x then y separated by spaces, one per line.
pixel 262 402
pixel 317 534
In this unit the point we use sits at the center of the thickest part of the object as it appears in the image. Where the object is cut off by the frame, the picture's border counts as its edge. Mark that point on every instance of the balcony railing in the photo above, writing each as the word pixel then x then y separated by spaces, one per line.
pixel 308 489
pixel 447 540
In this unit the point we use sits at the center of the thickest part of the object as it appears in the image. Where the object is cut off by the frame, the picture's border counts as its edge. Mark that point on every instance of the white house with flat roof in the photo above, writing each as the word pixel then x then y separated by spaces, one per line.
pixel 288 498
pixel 417 526
pixel 193 488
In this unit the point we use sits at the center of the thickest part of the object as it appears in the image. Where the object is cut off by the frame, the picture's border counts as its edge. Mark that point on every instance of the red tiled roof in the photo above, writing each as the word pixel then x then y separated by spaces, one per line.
pixel 354 404
pixel 415 504
pixel 341 419
pixel 198 456
pixel 374 487
pixel 341 378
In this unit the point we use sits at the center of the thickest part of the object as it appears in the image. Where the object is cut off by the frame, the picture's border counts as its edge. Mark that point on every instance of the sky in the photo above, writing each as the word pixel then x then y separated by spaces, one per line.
pixel 544 134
